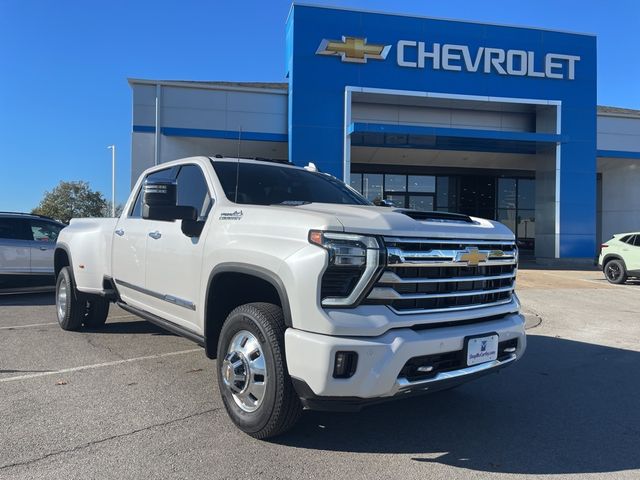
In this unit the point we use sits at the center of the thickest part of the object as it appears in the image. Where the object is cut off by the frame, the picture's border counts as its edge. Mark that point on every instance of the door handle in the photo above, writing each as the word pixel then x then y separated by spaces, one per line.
pixel 44 249
pixel 155 235
pixel 120 232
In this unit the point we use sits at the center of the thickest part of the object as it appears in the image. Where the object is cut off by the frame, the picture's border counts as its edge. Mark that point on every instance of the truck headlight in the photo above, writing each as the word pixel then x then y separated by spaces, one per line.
pixel 354 263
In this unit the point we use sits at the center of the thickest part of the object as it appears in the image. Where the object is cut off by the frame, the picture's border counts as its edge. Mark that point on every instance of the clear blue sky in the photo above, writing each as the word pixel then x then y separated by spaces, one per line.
pixel 64 64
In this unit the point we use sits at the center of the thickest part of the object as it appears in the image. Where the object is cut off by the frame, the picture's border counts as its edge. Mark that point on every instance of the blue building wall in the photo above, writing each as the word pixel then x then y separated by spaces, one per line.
pixel 317 90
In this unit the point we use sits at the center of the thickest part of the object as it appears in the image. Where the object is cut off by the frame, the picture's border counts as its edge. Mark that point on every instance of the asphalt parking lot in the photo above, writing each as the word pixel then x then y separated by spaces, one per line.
pixel 133 401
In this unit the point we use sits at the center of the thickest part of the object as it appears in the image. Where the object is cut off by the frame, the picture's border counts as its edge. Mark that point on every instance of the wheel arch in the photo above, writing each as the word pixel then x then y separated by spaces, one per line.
pixel 224 293
pixel 612 256
pixel 61 258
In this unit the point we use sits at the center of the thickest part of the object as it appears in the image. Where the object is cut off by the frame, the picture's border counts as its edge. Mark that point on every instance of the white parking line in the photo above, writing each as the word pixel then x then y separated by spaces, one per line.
pixel 30 325
pixel 55 323
pixel 97 365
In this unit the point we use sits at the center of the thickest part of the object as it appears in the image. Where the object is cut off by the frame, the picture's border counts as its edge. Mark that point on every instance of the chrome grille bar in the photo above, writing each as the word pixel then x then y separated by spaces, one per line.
pixel 387 293
pixel 444 258
pixel 391 277
pixel 449 263
pixel 416 311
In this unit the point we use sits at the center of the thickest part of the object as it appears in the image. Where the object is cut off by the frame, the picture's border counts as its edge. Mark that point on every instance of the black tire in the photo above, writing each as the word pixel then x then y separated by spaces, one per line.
pixel 70 309
pixel 97 312
pixel 280 407
pixel 615 272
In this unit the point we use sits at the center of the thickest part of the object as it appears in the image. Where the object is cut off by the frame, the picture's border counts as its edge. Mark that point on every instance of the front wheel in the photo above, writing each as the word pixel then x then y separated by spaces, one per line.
pixel 252 373
pixel 615 272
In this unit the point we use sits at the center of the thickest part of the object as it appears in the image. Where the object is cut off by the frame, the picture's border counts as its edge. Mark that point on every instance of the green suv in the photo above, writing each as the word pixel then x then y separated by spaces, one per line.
pixel 620 257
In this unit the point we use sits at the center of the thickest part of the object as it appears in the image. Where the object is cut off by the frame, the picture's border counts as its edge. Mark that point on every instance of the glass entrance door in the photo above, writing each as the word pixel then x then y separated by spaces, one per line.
pixel 516 209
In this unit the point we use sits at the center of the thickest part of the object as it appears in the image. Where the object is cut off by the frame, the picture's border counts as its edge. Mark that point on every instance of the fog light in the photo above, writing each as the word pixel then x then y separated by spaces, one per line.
pixel 345 364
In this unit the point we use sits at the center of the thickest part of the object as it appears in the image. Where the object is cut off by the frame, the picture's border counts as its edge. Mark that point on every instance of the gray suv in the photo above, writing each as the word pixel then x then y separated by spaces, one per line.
pixel 27 243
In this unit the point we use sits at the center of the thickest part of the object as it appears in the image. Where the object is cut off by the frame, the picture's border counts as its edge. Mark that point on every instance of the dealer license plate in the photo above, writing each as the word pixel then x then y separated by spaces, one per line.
pixel 482 349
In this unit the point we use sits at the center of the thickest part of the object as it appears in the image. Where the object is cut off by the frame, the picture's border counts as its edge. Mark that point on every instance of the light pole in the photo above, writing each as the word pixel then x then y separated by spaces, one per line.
pixel 113 179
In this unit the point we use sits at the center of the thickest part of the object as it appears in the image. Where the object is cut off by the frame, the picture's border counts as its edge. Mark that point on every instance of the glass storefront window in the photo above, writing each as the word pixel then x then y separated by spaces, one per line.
pixel 395 183
pixel 506 193
pixel 526 224
pixel 443 192
pixel 372 186
pixel 526 194
pixel 422 183
pixel 421 202
pixel 526 230
pixel 356 181
pixel 397 200
pixel 508 217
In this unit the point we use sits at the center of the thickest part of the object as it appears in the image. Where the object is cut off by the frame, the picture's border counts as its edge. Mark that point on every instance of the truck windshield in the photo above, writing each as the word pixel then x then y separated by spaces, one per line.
pixel 260 184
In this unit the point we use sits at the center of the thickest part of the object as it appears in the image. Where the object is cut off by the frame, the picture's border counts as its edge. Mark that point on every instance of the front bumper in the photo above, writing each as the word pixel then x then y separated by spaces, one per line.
pixel 310 360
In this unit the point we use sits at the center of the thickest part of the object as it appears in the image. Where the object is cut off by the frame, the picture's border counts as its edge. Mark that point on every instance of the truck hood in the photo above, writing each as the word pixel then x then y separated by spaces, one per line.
pixel 368 219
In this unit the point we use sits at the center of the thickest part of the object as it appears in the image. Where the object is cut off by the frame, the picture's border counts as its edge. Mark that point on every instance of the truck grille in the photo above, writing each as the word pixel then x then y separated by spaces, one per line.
pixel 425 275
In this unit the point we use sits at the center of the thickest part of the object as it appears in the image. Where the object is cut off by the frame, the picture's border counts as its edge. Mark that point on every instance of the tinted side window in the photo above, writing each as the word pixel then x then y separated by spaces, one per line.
pixel 168 174
pixel 45 231
pixel 14 229
pixel 636 240
pixel 192 190
pixel 626 239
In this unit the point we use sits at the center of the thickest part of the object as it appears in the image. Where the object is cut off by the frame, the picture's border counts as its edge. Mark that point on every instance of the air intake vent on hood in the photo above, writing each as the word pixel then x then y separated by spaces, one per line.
pixel 436 216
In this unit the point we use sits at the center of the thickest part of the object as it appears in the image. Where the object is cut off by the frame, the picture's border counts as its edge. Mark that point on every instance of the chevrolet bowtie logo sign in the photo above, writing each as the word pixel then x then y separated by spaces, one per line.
pixel 471 256
pixel 352 49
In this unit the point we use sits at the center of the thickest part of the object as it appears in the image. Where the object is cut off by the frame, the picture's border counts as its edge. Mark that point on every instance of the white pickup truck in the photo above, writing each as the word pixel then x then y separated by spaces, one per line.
pixel 308 295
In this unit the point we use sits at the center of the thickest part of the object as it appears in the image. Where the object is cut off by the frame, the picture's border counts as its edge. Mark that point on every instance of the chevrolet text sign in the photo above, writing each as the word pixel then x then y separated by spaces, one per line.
pixel 451 57
pixel 484 59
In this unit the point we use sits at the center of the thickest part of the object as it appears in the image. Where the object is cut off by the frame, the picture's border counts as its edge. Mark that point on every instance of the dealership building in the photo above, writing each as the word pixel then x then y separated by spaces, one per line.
pixel 494 121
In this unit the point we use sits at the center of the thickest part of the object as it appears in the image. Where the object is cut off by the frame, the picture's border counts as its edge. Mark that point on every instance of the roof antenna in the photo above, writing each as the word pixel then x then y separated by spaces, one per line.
pixel 235 200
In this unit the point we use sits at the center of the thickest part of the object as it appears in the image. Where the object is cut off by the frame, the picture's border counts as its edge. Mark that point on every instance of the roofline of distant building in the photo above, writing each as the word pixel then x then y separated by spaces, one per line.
pixel 282 89
pixel 271 87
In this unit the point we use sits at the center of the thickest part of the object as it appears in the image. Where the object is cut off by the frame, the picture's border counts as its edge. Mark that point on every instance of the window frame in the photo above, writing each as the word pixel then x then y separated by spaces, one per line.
pixel 177 168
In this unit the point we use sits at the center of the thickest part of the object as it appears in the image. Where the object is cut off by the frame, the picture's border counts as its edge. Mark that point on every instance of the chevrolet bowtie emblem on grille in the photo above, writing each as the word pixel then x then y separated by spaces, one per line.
pixel 471 256
pixel 352 49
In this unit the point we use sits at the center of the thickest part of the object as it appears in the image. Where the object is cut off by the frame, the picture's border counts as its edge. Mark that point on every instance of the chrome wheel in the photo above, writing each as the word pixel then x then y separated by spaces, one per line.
pixel 244 371
pixel 613 271
pixel 61 299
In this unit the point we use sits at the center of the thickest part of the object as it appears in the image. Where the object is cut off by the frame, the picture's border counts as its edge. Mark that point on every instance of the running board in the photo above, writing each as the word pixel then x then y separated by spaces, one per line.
pixel 165 324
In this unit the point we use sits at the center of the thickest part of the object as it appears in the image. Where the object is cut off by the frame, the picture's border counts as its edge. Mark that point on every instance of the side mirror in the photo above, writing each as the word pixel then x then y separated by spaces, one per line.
pixel 159 203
